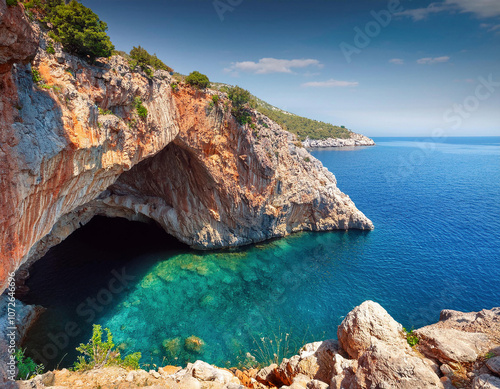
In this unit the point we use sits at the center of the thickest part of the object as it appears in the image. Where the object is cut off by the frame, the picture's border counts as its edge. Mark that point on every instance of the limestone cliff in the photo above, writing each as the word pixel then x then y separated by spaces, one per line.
pixel 73 146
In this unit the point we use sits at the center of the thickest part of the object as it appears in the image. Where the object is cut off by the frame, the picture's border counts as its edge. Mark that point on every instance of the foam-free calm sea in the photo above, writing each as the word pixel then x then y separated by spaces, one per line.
pixel 436 245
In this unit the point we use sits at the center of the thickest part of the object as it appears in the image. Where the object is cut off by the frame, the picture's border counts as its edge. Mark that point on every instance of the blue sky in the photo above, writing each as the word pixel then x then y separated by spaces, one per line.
pixel 379 67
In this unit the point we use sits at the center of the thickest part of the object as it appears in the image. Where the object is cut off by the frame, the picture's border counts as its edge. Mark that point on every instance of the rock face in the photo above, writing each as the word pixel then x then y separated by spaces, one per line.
pixel 71 148
pixel 460 337
pixel 384 359
pixel 58 153
pixel 219 184
pixel 18 37
pixel 354 140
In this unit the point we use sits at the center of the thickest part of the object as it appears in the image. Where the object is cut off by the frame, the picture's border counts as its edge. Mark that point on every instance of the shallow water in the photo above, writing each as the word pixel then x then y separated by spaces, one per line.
pixel 436 208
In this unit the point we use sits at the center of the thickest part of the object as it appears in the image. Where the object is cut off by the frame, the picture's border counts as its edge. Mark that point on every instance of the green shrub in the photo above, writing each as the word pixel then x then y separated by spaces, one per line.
pixel 141 109
pixel 131 361
pixel 215 99
pixel 307 159
pixel 50 48
pixel 11 3
pixel 411 337
pixel 35 74
pixel 238 96
pixel 140 57
pixel 240 99
pixel 79 29
pixel 148 71
pixel 175 87
pixel 98 353
pixel 32 4
pixel 27 368
pixel 198 80
pixel 489 355
pixel 105 111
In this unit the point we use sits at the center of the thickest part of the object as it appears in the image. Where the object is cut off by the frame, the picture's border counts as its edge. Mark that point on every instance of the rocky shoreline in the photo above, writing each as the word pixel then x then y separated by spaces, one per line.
pixel 462 350
pixel 354 141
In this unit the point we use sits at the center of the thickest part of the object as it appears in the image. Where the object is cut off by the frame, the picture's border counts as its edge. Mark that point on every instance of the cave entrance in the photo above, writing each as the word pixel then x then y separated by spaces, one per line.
pixel 86 275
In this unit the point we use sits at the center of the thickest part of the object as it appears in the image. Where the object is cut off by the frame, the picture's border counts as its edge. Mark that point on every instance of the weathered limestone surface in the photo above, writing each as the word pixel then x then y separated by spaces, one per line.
pixel 219 184
pixel 18 37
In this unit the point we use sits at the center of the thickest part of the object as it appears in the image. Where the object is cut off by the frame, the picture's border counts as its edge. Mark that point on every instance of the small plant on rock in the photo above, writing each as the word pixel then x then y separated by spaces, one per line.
pixel 27 368
pixel 98 353
pixel 105 111
pixel 489 355
pixel 141 109
pixel 50 48
pixel 35 74
pixel 411 337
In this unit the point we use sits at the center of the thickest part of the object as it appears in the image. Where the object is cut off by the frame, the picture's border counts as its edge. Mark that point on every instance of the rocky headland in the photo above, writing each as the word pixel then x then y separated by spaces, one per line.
pixel 462 350
pixel 353 141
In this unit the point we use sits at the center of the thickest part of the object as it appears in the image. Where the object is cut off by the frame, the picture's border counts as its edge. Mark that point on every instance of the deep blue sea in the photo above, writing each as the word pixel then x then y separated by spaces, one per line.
pixel 436 245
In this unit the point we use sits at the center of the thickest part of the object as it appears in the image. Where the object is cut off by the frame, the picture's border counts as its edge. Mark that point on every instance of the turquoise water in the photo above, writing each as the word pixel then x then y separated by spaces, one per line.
pixel 436 245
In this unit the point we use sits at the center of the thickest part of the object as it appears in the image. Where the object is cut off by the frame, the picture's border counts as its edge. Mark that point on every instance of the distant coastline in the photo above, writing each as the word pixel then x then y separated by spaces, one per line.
pixel 353 141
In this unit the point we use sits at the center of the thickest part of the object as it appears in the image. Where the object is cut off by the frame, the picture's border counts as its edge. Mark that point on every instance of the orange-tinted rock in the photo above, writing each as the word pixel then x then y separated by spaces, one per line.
pixel 18 37
pixel 217 184
pixel 169 369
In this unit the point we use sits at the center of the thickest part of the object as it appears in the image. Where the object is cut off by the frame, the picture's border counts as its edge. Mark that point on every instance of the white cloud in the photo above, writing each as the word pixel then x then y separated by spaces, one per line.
pixel 423 13
pixel 397 61
pixel 330 84
pixel 431 61
pixel 272 65
pixel 480 8
pixel 490 27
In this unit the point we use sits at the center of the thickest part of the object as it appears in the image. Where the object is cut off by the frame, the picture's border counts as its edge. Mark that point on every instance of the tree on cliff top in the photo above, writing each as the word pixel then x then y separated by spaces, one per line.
pixel 240 98
pixel 80 30
pixel 143 58
pixel 198 80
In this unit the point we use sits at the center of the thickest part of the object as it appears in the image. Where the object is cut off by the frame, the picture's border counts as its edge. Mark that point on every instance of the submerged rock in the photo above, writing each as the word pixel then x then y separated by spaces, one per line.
pixel 193 344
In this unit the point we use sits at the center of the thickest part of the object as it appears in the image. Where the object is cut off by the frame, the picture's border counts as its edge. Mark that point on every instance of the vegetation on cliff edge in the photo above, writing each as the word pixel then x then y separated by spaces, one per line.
pixel 197 80
pixel 99 353
pixel 301 126
pixel 80 31
pixel 140 57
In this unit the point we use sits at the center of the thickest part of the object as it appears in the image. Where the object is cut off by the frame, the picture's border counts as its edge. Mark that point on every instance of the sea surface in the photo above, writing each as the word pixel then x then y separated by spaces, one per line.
pixel 436 244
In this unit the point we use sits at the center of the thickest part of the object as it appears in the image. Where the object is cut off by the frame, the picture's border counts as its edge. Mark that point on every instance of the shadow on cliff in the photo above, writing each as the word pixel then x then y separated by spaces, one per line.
pixel 86 276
